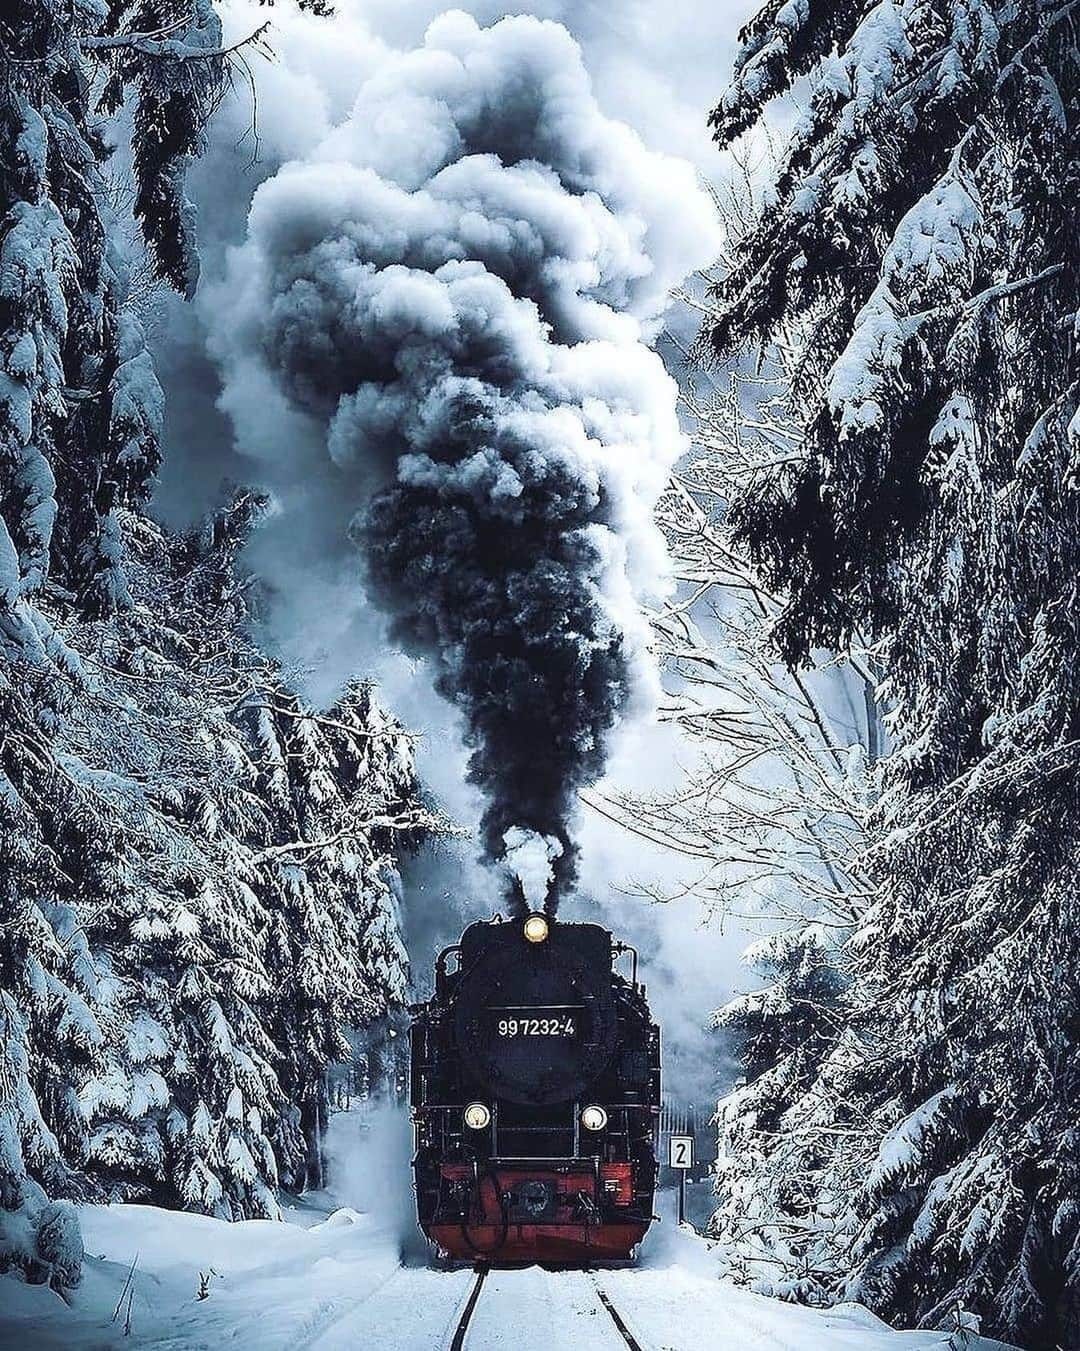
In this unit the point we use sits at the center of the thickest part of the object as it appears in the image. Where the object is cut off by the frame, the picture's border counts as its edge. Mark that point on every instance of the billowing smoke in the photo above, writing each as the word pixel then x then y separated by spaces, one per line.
pixel 460 285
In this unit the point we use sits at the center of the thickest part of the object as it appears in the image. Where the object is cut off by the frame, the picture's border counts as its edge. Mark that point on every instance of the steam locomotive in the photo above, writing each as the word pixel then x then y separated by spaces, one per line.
pixel 535 1084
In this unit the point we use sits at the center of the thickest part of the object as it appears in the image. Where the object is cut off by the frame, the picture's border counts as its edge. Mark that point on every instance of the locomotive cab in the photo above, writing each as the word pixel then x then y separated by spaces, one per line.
pixel 535 1086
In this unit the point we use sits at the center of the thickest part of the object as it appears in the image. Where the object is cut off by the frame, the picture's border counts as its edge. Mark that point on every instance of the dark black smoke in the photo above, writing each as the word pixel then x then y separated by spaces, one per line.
pixel 512 588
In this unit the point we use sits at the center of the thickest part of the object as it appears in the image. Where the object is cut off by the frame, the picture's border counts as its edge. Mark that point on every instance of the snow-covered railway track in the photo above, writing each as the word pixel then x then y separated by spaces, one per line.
pixel 534 1310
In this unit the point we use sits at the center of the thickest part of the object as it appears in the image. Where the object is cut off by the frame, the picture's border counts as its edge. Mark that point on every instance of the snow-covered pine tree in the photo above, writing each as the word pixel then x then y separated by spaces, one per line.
pixel 254 919
pixel 79 421
pixel 774 1142
pixel 214 868
pixel 336 951
pixel 162 56
pixel 80 409
pixel 920 244
pixel 50 1035
pixel 197 885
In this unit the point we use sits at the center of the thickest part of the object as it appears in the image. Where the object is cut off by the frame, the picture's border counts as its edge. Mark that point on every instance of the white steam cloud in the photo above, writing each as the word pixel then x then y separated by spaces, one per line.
pixel 530 858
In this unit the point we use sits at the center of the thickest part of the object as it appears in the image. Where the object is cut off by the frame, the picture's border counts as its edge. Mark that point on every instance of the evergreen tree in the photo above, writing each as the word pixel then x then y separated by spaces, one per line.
pixel 197 870
pixel 50 1036
pixel 200 872
pixel 79 424
pixel 774 1144
pixel 919 245
pixel 80 409
pixel 240 902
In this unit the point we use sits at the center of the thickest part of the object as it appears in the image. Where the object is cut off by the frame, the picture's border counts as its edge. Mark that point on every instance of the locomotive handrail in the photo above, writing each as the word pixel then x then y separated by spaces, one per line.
pixel 440 967
pixel 441 959
pixel 440 972
pixel 618 948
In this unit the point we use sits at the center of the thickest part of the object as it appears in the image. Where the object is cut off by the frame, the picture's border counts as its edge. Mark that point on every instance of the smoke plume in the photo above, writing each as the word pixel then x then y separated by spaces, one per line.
pixel 460 285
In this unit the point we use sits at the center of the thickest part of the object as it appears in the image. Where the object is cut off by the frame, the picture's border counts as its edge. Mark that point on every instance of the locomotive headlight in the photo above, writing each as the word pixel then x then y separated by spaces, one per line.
pixel 594 1118
pixel 477 1116
pixel 536 928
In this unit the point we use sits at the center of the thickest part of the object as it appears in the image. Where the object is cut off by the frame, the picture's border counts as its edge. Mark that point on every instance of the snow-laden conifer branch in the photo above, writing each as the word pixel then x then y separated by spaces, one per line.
pixel 170 49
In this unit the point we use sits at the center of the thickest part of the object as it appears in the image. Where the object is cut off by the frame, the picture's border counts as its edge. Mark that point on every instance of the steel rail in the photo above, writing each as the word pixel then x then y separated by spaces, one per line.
pixel 458 1339
pixel 624 1332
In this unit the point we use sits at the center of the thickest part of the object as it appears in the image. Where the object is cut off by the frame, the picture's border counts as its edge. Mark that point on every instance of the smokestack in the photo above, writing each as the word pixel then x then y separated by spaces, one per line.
pixel 463 284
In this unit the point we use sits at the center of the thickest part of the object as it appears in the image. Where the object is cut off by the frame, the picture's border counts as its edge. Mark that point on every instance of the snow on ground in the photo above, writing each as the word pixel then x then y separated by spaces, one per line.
pixel 674 1301
pixel 332 1278
pixel 325 1283
pixel 337 1282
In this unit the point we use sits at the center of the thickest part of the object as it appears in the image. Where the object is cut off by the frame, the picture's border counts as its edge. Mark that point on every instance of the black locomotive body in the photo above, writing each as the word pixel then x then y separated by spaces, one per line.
pixel 535 1094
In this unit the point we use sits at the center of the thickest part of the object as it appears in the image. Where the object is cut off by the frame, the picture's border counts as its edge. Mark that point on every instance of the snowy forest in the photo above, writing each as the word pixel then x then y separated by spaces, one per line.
pixel 615 462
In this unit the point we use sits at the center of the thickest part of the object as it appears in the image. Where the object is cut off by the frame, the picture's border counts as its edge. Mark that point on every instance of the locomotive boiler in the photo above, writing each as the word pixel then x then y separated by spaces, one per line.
pixel 535 1083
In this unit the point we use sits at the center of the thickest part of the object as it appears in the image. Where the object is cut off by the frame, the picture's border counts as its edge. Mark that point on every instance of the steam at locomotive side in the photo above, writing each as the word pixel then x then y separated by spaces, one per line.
pixel 535 1088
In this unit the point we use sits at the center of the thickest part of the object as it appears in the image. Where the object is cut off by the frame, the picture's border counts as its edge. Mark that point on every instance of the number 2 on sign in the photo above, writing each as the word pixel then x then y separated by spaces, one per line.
pixel 681 1151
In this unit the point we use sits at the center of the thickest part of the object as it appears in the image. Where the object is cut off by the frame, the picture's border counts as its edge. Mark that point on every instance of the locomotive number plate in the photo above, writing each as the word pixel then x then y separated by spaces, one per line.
pixel 536 1027
pixel 536 1022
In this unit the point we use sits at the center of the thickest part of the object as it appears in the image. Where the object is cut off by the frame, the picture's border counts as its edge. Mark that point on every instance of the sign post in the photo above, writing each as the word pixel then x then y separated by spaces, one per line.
pixel 681 1157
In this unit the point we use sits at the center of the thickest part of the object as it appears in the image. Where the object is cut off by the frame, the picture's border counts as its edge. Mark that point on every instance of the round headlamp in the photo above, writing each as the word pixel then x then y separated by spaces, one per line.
pixel 536 928
pixel 476 1116
pixel 594 1118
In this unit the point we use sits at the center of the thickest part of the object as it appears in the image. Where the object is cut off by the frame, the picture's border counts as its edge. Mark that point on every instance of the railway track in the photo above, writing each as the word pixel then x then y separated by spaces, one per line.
pixel 623 1331
pixel 466 1318
pixel 458 1339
